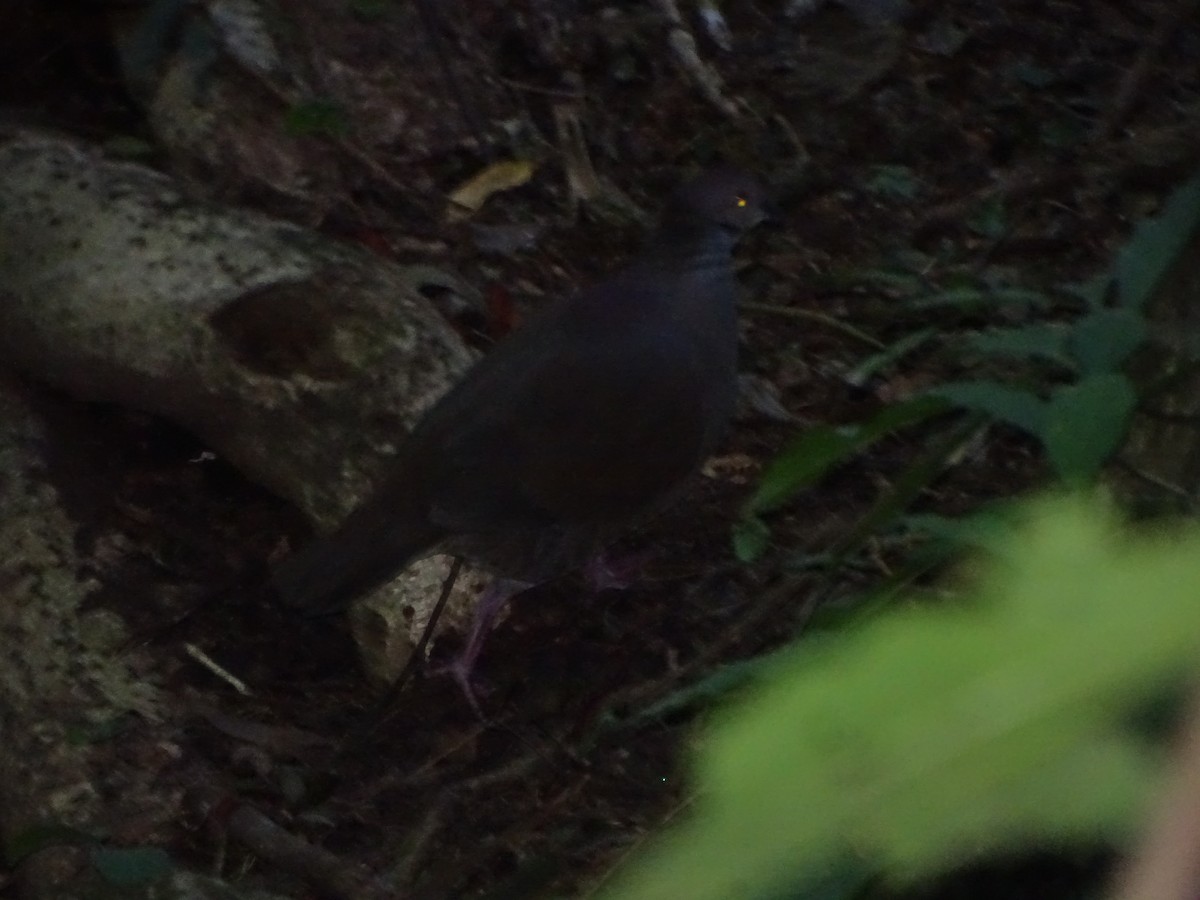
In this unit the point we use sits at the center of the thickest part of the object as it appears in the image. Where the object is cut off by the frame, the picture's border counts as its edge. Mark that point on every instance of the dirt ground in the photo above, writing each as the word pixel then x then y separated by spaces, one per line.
pixel 1011 143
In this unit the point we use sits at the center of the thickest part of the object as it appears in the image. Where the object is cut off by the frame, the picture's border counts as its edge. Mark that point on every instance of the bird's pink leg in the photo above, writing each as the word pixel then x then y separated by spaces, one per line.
pixel 498 593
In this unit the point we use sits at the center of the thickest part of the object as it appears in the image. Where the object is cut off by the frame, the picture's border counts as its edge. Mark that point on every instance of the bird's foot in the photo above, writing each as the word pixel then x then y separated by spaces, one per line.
pixel 461 669
pixel 463 665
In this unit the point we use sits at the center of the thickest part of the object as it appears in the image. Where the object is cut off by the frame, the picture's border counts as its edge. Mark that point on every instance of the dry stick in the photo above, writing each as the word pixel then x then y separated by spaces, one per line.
pixel 814 316
pixel 1166 864
pixel 582 182
pixel 334 876
pixel 1135 78
pixel 683 44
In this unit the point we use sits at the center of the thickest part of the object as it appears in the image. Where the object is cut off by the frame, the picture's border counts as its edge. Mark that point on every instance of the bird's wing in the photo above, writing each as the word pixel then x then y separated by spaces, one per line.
pixel 586 431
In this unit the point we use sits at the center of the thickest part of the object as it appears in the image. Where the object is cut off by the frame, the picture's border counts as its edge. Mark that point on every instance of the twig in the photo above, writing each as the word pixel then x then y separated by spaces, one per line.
pixel 1135 78
pixel 217 669
pixel 382 709
pixel 705 77
pixel 332 875
pixel 582 183
pixel 826 320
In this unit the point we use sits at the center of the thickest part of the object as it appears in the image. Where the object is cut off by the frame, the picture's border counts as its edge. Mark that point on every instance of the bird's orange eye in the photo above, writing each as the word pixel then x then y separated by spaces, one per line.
pixel 741 202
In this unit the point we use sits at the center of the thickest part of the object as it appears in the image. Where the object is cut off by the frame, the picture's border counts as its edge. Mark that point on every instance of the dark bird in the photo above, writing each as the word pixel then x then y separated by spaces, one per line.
pixel 578 423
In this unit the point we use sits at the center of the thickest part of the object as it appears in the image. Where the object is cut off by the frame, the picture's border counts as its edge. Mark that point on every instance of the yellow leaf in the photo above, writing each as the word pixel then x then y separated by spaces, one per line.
pixel 470 196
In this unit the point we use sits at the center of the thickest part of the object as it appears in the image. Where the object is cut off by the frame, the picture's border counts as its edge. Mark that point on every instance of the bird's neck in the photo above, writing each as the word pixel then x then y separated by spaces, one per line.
pixel 691 245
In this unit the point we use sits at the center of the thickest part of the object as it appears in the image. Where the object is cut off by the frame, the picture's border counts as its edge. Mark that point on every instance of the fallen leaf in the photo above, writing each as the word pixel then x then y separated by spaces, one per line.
pixel 470 196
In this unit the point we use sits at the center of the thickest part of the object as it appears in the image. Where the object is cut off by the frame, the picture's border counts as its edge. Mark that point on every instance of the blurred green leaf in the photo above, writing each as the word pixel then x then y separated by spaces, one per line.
pixel 1046 340
pixel 915 478
pixel 930 736
pixel 1156 243
pixel 1104 339
pixel 316 117
pixel 970 296
pixel 991 219
pixel 876 362
pixel 985 529
pixel 1095 292
pixel 893 181
pixel 1085 424
pixel 131 866
pixel 820 449
pixel 102 730
pixel 750 538
pixel 897 280
pixel 28 841
pixel 959 296
pixel 372 9
pixel 1015 406
pixel 1031 74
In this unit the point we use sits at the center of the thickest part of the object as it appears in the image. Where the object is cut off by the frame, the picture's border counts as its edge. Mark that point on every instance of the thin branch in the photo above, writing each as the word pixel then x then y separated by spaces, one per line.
pixel 1166 863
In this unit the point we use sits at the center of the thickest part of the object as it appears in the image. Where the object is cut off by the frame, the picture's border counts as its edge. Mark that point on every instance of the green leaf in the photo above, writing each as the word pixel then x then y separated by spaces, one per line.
pixel 930 463
pixel 372 9
pixel 968 297
pixel 985 529
pixel 316 117
pixel 893 181
pixel 820 449
pixel 1103 340
pixel 30 840
pixel 1155 245
pixel 750 537
pixel 889 356
pixel 990 220
pixel 1095 292
pixel 1086 423
pixel 1048 341
pixel 1031 74
pixel 959 296
pixel 1015 406
pixel 930 736
pixel 131 866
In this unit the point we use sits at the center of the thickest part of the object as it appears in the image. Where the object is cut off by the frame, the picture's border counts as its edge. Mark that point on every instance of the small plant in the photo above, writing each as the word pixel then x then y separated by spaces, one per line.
pixel 928 737
pixel 1062 378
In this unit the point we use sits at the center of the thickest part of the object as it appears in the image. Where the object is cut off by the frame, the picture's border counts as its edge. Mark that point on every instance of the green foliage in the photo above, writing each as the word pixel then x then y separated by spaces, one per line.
pixel 1081 424
pixel 122 867
pixel 810 457
pixel 991 219
pixel 889 356
pixel 28 841
pixel 1046 340
pixel 894 182
pixel 372 9
pixel 1101 341
pixel 131 866
pixel 1072 395
pixel 1085 423
pixel 1156 244
pixel 316 117
pixel 929 736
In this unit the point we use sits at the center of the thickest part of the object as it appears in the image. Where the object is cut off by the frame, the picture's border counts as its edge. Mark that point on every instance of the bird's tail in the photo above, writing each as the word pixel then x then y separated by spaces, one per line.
pixel 373 545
